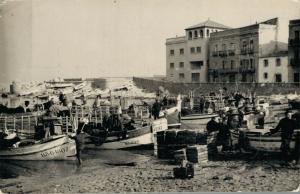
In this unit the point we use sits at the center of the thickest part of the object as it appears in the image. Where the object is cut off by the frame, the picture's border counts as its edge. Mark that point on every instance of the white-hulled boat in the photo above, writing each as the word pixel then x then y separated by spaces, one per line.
pixel 133 138
pixel 198 119
pixel 259 140
pixel 55 148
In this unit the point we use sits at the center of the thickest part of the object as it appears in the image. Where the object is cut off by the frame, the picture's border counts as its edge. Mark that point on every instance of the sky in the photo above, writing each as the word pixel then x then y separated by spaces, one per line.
pixel 44 39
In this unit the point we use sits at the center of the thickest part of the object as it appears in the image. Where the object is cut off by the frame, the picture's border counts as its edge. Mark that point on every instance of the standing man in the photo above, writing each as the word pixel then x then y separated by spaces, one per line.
pixel 156 109
pixel 212 125
pixel 287 126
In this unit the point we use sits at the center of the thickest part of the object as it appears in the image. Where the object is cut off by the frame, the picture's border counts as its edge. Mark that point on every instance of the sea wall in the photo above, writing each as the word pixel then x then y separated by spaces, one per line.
pixel 151 84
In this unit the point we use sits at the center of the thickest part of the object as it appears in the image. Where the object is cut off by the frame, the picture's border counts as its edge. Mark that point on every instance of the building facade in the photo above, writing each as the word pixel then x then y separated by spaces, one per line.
pixel 272 68
pixel 187 56
pixel 234 53
pixel 294 51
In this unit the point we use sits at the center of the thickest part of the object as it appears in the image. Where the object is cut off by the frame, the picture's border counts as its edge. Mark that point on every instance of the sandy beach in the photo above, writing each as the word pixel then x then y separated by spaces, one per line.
pixel 145 173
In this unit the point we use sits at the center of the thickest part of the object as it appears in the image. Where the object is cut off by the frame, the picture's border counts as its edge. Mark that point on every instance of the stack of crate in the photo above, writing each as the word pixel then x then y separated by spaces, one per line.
pixel 179 155
pixel 197 154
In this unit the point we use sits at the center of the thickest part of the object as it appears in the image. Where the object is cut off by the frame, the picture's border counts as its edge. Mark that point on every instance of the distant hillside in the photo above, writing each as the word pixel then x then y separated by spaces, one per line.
pixel 271 48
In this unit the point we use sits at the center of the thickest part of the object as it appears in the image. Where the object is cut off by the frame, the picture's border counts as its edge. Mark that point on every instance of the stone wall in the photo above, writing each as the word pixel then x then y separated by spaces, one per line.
pixel 152 85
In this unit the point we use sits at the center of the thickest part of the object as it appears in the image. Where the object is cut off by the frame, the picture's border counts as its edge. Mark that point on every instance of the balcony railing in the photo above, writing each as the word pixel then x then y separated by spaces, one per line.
pixel 223 71
pixel 223 53
pixel 215 53
pixel 247 70
pixel 213 72
pixel 243 51
pixel 247 51
pixel 231 52
pixel 228 70
pixel 250 51
pixel 294 42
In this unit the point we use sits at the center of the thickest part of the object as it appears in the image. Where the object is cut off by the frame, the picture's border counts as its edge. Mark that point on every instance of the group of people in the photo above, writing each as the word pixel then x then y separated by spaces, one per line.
pixel 286 127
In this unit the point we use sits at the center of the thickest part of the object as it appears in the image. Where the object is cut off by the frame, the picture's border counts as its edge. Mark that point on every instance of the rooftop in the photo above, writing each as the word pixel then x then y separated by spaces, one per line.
pixel 271 22
pixel 208 23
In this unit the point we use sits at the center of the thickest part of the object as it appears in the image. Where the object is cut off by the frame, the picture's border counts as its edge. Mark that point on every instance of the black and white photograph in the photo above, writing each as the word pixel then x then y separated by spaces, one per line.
pixel 148 96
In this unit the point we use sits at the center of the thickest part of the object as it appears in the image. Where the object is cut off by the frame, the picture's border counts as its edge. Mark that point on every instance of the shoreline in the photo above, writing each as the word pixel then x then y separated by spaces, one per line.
pixel 153 175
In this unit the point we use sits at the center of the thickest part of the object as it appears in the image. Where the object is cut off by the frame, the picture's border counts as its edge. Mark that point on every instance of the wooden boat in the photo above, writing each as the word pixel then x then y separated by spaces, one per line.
pixel 55 148
pixel 197 120
pixel 260 140
pixel 133 138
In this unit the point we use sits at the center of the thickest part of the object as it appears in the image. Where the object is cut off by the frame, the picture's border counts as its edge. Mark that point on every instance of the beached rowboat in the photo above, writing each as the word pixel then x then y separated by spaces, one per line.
pixel 196 120
pixel 260 140
pixel 56 148
pixel 133 138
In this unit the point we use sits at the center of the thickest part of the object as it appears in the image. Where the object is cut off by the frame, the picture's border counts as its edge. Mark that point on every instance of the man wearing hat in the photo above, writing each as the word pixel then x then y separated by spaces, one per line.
pixel 286 126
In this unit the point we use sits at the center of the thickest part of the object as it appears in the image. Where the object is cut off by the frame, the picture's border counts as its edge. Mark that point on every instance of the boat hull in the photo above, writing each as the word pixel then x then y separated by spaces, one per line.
pixel 62 148
pixel 197 120
pixel 259 142
pixel 135 138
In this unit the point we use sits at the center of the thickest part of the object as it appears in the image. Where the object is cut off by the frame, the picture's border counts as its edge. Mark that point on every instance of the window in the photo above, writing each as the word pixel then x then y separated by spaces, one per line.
pixel 244 77
pixel 232 46
pixel 266 75
pixel 296 77
pixel 171 75
pixel 232 63
pixel 181 51
pixel 195 34
pixel 198 49
pixel 172 65
pixel 181 75
pixel 223 64
pixel 224 47
pixel 244 47
pixel 190 35
pixel 231 78
pixel 278 78
pixel 207 32
pixel 251 45
pixel 196 64
pixel 192 49
pixel 297 35
pixel 181 64
pixel 278 62
pixel 172 52
pixel 216 48
pixel 251 63
pixel 246 63
pixel 195 77
pixel 201 33
pixel 266 63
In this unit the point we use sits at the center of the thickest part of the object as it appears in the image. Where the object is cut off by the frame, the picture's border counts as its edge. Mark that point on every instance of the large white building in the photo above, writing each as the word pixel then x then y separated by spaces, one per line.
pixel 273 67
pixel 187 56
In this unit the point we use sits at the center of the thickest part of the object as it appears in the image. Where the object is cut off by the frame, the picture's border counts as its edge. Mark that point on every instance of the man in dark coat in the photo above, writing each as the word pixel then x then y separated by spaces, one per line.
pixel 212 125
pixel 156 109
pixel 80 141
pixel 223 137
pixel 286 126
